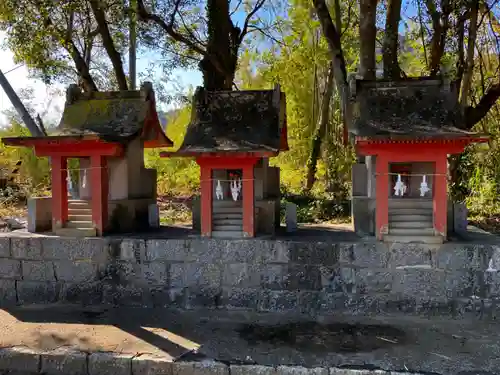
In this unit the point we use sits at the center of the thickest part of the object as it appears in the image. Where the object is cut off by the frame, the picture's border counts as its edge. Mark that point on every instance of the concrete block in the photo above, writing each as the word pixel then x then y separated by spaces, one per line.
pixel 39 214
pixel 411 254
pixel 64 362
pixel 363 215
pixel 241 275
pixel 304 277
pixel 359 179
pixel 167 250
pixel 298 370
pixel 75 271
pixel 208 367
pixel 374 280
pixel 19 359
pixel 82 293
pixel 37 292
pixel 130 295
pixel 38 270
pixel 10 269
pixel 252 370
pixel 460 214
pixel 154 216
pixel 155 273
pixel 339 279
pixel 274 277
pixel 278 301
pixel 26 248
pixel 319 253
pixel 5 247
pixel 458 256
pixel 237 298
pixel 195 275
pixel 207 250
pixel 291 217
pixel 109 364
pixel 419 282
pixel 146 364
pixel 133 250
pixel 94 249
pixel 8 295
pixel 370 255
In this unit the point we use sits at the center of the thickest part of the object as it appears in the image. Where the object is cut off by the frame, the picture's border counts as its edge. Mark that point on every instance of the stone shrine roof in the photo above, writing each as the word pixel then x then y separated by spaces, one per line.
pixel 236 121
pixel 411 108
pixel 115 116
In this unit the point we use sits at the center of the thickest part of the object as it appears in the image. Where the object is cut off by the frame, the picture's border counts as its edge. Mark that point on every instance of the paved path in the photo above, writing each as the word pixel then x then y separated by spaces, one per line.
pixel 439 345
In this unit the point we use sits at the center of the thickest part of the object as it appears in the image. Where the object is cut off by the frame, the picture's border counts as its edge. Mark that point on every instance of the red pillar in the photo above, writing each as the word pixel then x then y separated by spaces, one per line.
pixel 59 174
pixel 99 188
pixel 248 201
pixel 206 199
pixel 382 197
pixel 440 199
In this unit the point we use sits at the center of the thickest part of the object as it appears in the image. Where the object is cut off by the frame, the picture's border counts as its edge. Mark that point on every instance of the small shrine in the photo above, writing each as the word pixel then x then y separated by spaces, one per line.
pixel 107 132
pixel 232 135
pixel 405 131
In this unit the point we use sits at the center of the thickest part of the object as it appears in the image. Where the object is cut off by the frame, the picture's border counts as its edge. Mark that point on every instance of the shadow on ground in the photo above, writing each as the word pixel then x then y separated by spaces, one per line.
pixel 397 343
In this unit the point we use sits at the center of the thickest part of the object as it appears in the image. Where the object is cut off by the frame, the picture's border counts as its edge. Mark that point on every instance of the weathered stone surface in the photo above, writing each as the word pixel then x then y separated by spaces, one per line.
pixel 10 269
pixel 298 370
pixel 26 248
pixel 451 256
pixel 130 295
pixel 409 254
pixel 238 298
pixel 199 368
pixel 309 302
pixel 64 362
pixel 314 253
pixel 5 247
pixel 76 271
pixel 350 371
pixel 146 364
pixel 419 282
pixel 374 280
pixel 82 293
pixel 251 251
pixel 168 250
pixel 38 270
pixel 304 277
pixel 133 250
pixel 37 291
pixel 203 298
pixel 338 279
pixel 207 250
pixel 93 249
pixel 109 364
pixel 202 275
pixel 370 255
pixel 19 359
pixel 252 370
pixel 154 273
pixel 241 275
pixel 8 295
pixel 272 300
pixel 274 277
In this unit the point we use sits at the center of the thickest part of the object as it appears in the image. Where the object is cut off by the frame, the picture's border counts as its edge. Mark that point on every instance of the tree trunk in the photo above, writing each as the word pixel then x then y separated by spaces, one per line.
pixel 109 45
pixel 220 33
pixel 391 40
pixel 368 34
pixel 440 23
pixel 471 44
pixel 320 129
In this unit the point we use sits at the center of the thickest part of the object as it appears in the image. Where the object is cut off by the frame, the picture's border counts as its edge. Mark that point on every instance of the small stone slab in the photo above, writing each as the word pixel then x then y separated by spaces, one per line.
pixel 151 365
pixel 110 364
pixel 64 362
pixel 19 359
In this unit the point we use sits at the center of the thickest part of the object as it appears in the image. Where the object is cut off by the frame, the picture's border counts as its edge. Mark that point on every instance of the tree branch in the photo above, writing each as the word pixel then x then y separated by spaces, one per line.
pixel 249 16
pixel 109 45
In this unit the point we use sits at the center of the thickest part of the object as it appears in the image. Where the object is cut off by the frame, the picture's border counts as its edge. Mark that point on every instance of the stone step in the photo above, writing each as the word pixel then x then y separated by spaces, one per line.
pixel 227 234
pixel 396 217
pixel 76 232
pixel 228 228
pixel 79 224
pixel 413 239
pixel 225 210
pixel 217 222
pixel 79 211
pixel 410 211
pixel 227 215
pixel 410 225
pixel 79 217
pixel 227 203
pixel 412 231
pixel 410 203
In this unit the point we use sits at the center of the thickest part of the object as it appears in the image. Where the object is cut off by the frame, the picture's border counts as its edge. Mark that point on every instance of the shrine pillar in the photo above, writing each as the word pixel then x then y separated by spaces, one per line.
pixel 382 197
pixel 99 188
pixel 248 201
pixel 59 174
pixel 206 199
pixel 440 199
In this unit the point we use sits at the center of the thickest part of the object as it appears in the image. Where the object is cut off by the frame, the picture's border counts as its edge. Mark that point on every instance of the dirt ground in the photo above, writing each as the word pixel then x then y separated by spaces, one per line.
pixel 402 343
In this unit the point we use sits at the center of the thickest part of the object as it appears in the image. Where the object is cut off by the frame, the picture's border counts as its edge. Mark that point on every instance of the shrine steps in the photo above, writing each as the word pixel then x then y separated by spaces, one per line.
pixel 411 220
pixel 79 222
pixel 227 219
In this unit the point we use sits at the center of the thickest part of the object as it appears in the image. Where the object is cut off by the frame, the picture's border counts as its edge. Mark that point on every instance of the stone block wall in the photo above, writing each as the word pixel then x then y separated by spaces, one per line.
pixel 306 277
